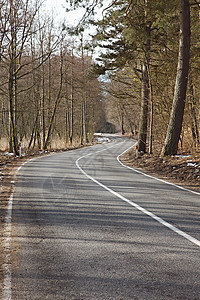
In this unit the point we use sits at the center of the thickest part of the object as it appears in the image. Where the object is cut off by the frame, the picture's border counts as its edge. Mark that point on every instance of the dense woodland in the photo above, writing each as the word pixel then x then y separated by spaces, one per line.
pixel 151 49
pixel 144 82
pixel 48 96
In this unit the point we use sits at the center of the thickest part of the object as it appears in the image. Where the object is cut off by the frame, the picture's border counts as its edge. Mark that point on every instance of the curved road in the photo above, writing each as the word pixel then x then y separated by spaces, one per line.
pixel 86 227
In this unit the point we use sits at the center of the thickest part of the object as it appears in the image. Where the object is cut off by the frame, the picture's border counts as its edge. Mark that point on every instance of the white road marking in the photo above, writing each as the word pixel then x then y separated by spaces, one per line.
pixel 150 176
pixel 138 207
pixel 6 289
pixel 7 284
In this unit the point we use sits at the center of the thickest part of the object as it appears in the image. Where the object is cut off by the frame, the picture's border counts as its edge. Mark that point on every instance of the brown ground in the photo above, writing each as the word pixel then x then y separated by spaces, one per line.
pixel 183 170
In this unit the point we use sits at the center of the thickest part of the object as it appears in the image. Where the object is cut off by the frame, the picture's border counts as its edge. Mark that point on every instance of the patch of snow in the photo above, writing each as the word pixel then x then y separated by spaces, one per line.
pixel 102 140
pixel 182 156
pixel 189 164
pixel 9 153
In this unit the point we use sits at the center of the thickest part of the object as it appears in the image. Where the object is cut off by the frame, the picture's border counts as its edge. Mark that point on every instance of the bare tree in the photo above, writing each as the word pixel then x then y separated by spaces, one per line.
pixel 57 100
pixel 19 18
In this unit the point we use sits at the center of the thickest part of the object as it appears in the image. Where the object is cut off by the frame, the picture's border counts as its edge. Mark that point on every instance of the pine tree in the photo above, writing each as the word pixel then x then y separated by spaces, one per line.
pixel 176 118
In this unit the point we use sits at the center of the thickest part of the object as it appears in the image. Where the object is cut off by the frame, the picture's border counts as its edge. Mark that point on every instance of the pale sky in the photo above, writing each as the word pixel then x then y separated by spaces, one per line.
pixel 58 8
pixel 56 5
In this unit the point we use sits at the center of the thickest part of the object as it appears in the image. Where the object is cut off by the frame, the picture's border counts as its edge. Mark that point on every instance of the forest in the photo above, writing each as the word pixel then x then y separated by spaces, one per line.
pixel 144 82
pixel 49 97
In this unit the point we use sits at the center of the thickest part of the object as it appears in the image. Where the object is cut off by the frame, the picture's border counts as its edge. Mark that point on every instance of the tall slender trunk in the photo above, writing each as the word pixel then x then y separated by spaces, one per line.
pixel 122 120
pixel 12 83
pixel 13 137
pixel 43 101
pixel 67 113
pixel 84 98
pixel 58 98
pixel 151 115
pixel 142 138
pixel 178 106
pixel 72 101
pixel 36 79
pixel 192 111
pixel 143 126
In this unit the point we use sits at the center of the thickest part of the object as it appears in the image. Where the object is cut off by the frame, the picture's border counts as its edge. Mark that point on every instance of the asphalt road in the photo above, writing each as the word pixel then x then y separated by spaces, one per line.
pixel 86 227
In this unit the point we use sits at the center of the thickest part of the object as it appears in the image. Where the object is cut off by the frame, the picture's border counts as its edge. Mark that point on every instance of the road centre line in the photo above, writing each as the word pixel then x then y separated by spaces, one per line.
pixel 138 207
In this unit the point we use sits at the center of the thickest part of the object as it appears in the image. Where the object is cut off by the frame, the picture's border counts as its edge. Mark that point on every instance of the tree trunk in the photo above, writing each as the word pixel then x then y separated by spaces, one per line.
pixel 13 136
pixel 192 111
pixel 58 98
pixel 122 121
pixel 43 102
pixel 12 84
pixel 151 114
pixel 151 124
pixel 84 99
pixel 72 100
pixel 67 114
pixel 142 137
pixel 176 118
pixel 33 130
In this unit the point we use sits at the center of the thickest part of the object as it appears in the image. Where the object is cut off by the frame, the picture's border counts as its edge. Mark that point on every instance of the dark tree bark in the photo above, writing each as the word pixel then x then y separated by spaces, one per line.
pixel 12 86
pixel 176 118
pixel 71 121
pixel 142 136
pixel 57 101
pixel 192 112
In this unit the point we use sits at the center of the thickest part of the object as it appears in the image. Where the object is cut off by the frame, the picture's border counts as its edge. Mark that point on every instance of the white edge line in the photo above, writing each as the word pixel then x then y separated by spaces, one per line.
pixel 150 176
pixel 138 207
pixel 7 283
pixel 6 289
pixel 7 280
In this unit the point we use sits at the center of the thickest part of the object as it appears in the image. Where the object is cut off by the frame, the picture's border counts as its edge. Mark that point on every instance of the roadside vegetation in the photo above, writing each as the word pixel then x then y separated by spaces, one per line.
pixel 54 94
pixel 144 83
